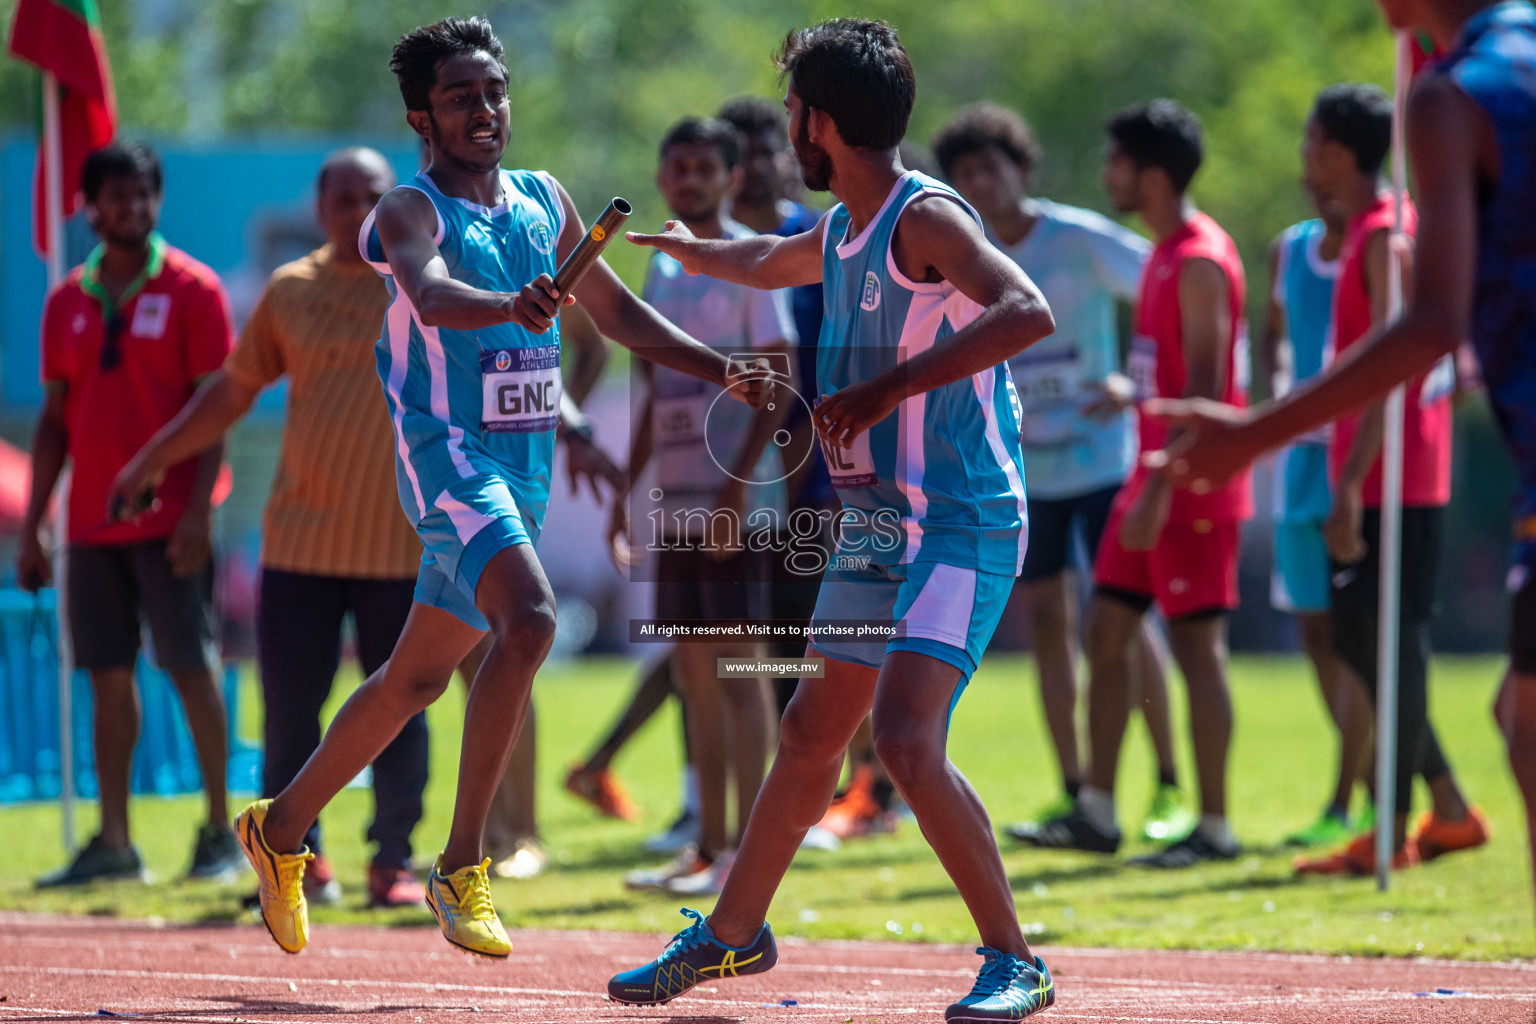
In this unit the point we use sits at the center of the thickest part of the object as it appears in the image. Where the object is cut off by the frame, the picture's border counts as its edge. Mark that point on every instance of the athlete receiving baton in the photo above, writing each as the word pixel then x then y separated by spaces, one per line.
pixel 921 315
pixel 470 362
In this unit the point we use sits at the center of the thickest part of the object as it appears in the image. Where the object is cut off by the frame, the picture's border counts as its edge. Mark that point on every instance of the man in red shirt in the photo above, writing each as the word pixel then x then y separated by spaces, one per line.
pixel 1347 139
pixel 126 339
pixel 1178 550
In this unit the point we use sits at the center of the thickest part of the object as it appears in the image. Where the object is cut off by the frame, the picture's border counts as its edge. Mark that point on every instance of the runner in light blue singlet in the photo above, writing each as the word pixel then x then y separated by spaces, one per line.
pixel 474 411
pixel 934 525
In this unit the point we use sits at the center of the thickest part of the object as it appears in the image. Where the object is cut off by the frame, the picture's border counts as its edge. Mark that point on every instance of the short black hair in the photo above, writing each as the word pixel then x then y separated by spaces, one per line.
pixel 417 54
pixel 856 71
pixel 709 131
pixel 1358 117
pixel 752 115
pixel 983 126
pixel 120 160
pixel 1162 134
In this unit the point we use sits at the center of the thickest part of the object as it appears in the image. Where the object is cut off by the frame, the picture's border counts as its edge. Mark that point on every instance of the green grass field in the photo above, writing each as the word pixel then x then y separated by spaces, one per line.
pixel 1475 905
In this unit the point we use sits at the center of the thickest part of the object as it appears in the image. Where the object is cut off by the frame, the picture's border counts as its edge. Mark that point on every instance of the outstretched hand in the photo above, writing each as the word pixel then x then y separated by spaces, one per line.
pixel 1213 445
pixel 675 240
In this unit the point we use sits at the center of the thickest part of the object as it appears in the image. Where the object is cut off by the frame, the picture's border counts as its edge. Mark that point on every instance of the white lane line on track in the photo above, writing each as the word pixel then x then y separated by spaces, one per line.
pixel 181 1015
pixel 1230 994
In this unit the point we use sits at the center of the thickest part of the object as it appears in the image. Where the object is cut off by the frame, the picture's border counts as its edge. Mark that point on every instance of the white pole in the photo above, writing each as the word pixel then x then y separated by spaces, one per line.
pixel 1391 509
pixel 53 148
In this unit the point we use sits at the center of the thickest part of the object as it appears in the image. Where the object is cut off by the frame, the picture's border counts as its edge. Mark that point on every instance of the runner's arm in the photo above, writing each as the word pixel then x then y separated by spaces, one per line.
pixel 588 353
pixel 407 224
pixel 764 261
pixel 936 240
pixel 619 314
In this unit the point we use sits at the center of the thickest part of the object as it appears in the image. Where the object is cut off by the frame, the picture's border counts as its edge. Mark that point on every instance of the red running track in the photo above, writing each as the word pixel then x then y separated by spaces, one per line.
pixel 71 969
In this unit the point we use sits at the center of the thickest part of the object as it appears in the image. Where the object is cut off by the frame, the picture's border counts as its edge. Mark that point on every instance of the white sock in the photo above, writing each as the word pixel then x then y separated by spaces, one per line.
pixel 1216 829
pixel 1099 808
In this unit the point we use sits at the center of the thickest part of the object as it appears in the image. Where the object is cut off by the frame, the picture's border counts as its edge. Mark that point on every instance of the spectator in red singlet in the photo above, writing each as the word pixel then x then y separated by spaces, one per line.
pixel 1347 139
pixel 1178 550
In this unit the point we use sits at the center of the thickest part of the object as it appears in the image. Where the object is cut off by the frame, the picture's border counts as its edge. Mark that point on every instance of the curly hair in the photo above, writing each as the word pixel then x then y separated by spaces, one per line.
pixel 858 72
pixel 1162 134
pixel 417 54
pixel 983 126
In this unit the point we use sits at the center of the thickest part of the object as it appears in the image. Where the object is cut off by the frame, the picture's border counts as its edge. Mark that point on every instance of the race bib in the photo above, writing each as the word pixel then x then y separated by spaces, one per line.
pixel 520 389
pixel 1141 366
pixel 1050 378
pixel 1050 428
pixel 1438 382
pixel 1048 385
pixel 850 467
pixel 679 420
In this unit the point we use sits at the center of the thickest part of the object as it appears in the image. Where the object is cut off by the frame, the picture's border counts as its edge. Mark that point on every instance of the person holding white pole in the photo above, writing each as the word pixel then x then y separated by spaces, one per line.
pixel 1347 139
pixel 1471 132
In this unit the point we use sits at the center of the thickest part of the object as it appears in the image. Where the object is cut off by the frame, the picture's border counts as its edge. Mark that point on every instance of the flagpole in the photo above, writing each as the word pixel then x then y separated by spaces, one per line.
pixel 1391 508
pixel 53 198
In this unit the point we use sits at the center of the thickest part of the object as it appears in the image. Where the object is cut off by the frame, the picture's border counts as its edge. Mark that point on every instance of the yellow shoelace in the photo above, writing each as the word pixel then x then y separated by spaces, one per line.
pixel 290 879
pixel 476 901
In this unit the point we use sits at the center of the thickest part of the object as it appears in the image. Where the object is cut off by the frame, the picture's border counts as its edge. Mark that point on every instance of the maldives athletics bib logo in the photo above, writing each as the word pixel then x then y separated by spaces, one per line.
pixel 869 297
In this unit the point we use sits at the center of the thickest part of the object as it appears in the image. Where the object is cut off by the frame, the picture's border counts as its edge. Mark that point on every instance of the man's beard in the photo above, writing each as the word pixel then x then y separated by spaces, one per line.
pixel 815 163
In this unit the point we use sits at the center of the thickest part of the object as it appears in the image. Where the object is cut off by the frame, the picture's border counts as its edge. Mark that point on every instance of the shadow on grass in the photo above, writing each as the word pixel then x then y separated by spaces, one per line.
pixel 612 858
pixel 580 909
pixel 1214 886
pixel 1017 882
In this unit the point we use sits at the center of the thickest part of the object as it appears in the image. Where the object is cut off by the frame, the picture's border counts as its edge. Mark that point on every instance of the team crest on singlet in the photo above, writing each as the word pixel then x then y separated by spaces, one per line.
pixel 540 236
pixel 869 299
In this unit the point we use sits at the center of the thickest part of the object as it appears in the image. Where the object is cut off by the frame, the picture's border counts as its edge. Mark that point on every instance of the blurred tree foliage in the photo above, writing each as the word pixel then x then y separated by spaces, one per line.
pixel 595 82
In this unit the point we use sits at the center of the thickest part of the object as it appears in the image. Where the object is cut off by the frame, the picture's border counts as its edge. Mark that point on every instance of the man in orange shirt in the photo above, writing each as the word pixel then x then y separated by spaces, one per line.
pixel 126 340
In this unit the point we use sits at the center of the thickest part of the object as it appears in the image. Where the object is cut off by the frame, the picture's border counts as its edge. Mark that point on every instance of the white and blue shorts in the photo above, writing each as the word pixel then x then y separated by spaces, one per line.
pixel 462 531
pixel 940 610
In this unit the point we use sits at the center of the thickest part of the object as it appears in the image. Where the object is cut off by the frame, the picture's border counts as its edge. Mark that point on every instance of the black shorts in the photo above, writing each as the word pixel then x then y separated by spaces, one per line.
pixel 1054 527
pixel 1522 624
pixel 799 561
pixel 1357 588
pixel 691 585
pixel 112 587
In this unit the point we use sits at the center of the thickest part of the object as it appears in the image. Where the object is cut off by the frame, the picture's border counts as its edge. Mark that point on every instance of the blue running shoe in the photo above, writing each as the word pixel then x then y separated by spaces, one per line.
pixel 1006 989
pixel 693 955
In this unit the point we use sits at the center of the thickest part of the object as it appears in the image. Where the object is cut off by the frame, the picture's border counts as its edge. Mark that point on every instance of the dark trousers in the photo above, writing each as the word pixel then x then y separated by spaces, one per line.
pixel 1355 620
pixel 298 627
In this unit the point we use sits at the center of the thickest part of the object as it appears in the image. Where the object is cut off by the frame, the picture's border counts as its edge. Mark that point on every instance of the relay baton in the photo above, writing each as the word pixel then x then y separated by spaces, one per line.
pixel 591 246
